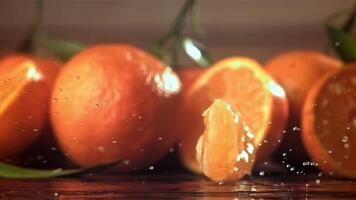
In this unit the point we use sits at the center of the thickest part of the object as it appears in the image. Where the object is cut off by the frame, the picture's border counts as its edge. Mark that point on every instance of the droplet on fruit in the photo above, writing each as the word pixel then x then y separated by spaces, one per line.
pixel 101 149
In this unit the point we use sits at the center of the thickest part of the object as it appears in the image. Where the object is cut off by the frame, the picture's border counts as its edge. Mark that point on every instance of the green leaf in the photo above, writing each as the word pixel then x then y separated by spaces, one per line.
pixel 196 25
pixel 196 52
pixel 161 54
pixel 343 43
pixel 11 171
pixel 61 49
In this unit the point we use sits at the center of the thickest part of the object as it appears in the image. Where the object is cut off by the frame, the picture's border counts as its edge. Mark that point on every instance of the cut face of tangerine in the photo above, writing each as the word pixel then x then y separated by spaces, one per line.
pixel 226 149
pixel 24 96
pixel 329 123
pixel 249 89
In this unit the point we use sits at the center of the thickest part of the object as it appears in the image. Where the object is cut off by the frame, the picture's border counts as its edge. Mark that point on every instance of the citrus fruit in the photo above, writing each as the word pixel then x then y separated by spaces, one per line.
pixel 226 150
pixel 329 123
pixel 25 86
pixel 241 82
pixel 115 101
pixel 296 71
pixel 187 76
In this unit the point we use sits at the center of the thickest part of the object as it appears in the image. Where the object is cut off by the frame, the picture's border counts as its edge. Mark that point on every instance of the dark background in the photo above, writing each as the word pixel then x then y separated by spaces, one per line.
pixel 256 28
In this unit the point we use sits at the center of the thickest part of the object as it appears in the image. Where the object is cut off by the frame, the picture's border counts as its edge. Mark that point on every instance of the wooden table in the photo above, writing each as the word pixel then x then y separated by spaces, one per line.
pixel 178 186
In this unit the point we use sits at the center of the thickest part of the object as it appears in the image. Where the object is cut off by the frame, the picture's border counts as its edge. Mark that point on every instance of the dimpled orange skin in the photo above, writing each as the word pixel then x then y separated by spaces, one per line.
pixel 112 101
pixel 296 71
pixel 22 121
pixel 188 76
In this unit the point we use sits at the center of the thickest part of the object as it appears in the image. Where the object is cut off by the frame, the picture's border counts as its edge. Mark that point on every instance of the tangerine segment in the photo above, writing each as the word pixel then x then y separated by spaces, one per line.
pixel 329 123
pixel 225 151
pixel 247 87
pixel 24 96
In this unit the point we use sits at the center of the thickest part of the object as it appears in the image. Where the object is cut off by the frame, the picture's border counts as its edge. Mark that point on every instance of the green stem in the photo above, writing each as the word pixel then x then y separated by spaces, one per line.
pixel 178 24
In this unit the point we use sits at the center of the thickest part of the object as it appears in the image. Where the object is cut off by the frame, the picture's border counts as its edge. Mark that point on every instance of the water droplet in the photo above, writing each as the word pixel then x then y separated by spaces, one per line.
pixel 250 148
pixel 74 138
pixel 96 105
pixel 160 138
pixel 325 122
pixel 262 173
pixel 284 154
pixel 292 168
pixel 151 168
pixel 35 130
pixel 221 182
pixel 345 139
pixel 101 149
pixel 128 56
pixel 171 150
pixel 288 165
pixel 313 164
pixel 242 156
pixel 53 148
pixel 330 151
pixel 306 163
pixel 55 194
pixel 54 100
pixel 290 150
pixel 347 145
pixel 114 141
pixel 126 162
pixel 295 128
pixel 317 181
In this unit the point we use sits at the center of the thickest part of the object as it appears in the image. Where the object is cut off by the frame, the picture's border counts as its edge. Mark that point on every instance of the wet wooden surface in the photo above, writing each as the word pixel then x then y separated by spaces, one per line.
pixel 178 186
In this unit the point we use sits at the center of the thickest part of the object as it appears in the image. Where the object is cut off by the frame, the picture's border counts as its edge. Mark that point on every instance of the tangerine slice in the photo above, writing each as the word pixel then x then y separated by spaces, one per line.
pixel 329 123
pixel 225 151
pixel 248 88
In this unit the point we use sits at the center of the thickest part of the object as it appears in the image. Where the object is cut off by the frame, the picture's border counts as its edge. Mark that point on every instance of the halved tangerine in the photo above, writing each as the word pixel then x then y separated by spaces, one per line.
pixel 25 86
pixel 226 150
pixel 248 88
pixel 329 123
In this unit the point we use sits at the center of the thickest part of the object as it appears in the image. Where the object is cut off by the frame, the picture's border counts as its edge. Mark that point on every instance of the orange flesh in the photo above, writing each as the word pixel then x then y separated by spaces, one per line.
pixel 225 151
pixel 239 81
pixel 335 121
pixel 244 86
